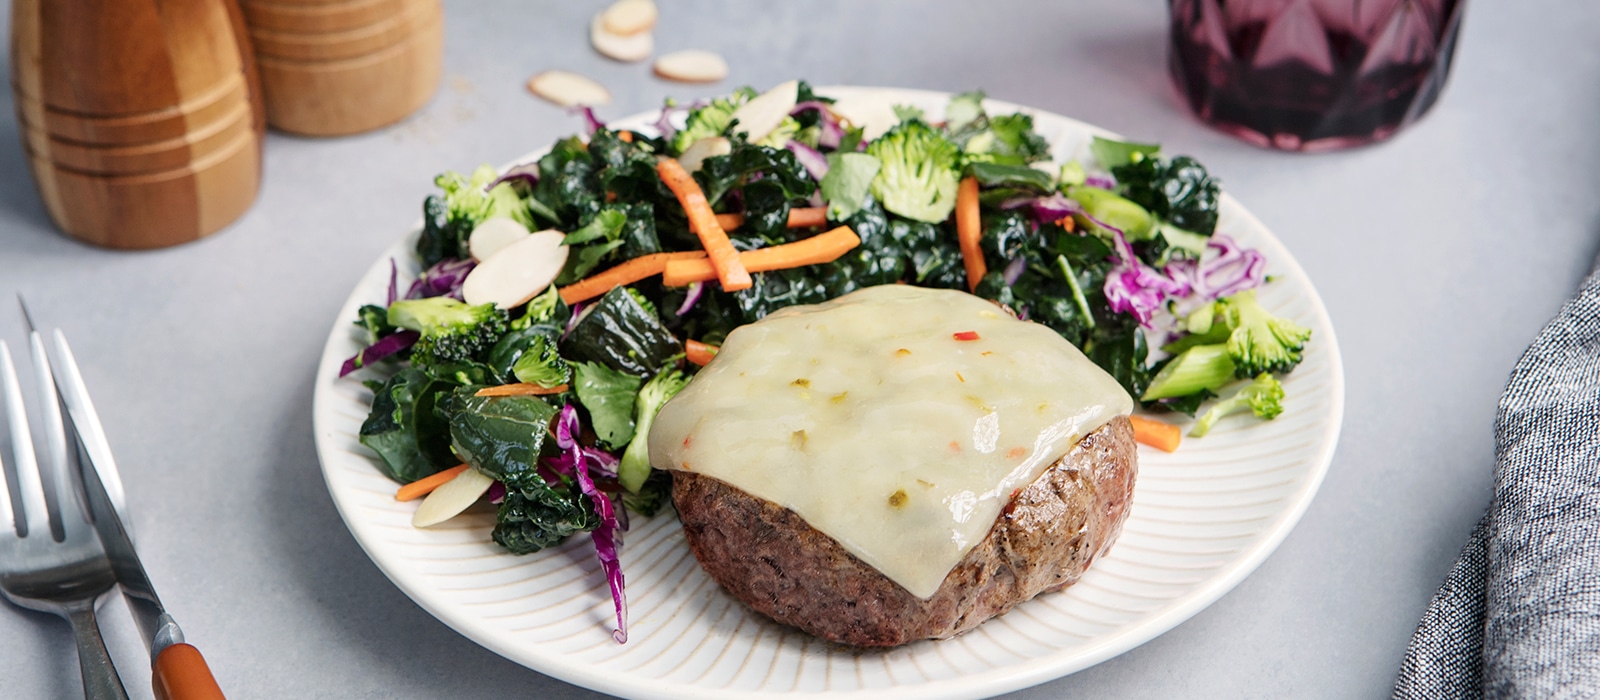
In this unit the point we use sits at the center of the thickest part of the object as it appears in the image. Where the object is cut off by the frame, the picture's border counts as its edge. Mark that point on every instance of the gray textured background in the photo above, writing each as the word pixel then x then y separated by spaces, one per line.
pixel 1439 255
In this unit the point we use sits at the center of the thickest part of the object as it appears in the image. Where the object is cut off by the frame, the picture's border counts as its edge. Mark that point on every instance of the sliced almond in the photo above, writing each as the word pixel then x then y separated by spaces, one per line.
pixel 760 116
pixel 629 17
pixel 449 500
pixel 568 89
pixel 701 149
pixel 629 48
pixel 692 66
pixel 518 272
pixel 871 113
pixel 492 235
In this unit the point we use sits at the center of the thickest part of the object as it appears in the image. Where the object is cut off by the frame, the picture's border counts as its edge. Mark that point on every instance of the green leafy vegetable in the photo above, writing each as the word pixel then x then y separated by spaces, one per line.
pixel 609 396
pixel 1179 191
pixel 621 334
pixel 499 436
pixel 990 174
pixel 410 439
pixel 1105 206
pixel 635 467
pixel 847 183
pixel 918 177
pixel 536 515
pixel 1263 397
pixel 606 225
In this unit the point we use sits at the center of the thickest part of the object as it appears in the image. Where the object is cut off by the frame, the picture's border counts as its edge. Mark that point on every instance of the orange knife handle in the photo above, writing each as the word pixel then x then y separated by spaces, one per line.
pixel 181 673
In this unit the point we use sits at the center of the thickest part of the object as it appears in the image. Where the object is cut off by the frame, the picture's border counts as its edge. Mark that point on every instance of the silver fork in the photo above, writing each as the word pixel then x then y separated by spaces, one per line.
pixel 68 577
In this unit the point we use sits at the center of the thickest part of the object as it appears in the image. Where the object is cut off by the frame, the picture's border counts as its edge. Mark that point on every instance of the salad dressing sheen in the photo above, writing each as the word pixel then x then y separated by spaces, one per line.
pixel 868 417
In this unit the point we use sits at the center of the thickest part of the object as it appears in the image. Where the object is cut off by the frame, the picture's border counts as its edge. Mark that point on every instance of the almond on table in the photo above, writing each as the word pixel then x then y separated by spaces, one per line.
pixel 568 89
pixel 692 66
pixel 628 48
pixel 629 17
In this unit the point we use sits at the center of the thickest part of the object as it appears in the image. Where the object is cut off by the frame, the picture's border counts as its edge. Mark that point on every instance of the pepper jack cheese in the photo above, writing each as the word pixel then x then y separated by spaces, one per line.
pixel 897 420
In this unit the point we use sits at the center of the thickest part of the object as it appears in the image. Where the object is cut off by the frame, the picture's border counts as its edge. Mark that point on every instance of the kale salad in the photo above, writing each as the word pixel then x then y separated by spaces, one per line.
pixel 561 303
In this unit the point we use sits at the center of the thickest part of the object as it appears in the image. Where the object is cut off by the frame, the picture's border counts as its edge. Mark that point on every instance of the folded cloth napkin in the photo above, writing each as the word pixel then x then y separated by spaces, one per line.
pixel 1519 614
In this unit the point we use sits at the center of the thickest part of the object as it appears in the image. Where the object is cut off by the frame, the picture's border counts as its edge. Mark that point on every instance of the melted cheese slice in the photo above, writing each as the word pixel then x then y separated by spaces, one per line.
pixel 869 418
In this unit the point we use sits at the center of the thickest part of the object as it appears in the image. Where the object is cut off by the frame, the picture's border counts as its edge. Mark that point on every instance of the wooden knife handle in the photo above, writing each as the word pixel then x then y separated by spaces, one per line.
pixel 181 673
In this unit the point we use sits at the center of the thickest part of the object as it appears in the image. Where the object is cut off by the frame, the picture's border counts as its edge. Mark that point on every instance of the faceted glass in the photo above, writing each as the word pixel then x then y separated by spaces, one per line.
pixel 1312 75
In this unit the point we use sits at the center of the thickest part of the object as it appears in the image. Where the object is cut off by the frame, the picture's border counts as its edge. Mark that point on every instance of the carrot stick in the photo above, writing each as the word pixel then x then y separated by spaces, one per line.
pixel 969 230
pixel 521 389
pixel 625 136
pixel 821 248
pixel 424 486
pixel 724 257
pixel 1162 436
pixel 698 352
pixel 802 217
pixel 626 273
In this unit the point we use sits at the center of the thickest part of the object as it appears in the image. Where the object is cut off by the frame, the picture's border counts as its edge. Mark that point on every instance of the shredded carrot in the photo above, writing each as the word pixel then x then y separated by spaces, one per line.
pixel 1066 222
pixel 821 248
pixel 625 136
pixel 1162 436
pixel 724 257
pixel 969 230
pixel 803 217
pixel 424 486
pixel 522 389
pixel 626 273
pixel 698 352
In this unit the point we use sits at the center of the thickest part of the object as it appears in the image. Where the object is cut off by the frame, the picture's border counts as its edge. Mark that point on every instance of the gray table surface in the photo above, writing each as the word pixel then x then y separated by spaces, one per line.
pixel 1439 255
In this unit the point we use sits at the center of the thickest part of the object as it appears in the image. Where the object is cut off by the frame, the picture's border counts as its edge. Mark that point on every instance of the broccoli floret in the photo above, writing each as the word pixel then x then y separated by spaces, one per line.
pixel 1263 397
pixel 467 199
pixel 710 120
pixel 919 177
pixel 452 331
pixel 541 364
pixel 375 321
pixel 1258 341
pixel 787 129
pixel 635 467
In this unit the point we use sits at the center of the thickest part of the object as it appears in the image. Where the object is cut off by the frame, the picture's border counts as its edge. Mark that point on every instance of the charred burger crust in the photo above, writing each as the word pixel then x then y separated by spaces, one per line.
pixel 772 560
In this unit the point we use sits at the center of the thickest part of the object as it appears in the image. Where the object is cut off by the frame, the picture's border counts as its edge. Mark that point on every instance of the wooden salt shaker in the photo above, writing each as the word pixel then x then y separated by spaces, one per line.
pixel 335 67
pixel 141 119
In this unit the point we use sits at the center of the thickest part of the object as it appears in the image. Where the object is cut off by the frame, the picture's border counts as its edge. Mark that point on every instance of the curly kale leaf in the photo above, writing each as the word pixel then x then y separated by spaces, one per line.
pixel 1179 191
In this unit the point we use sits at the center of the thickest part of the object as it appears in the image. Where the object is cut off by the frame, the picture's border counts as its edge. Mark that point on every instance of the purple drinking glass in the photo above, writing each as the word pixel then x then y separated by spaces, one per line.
pixel 1312 75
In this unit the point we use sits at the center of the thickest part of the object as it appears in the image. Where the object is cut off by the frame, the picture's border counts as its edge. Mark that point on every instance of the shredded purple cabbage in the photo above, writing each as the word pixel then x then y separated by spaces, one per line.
pixel 497 492
pixel 831 131
pixel 606 540
pixel 443 279
pixel 590 122
pixel 1133 287
pixel 1232 270
pixel 527 173
pixel 695 290
pixel 1014 269
pixel 1104 182
pixel 812 159
pixel 394 281
pixel 386 346
pixel 572 318
pixel 1045 209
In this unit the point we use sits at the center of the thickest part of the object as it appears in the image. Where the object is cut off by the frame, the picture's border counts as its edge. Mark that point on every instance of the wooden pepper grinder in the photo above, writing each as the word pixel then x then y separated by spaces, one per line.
pixel 336 67
pixel 141 119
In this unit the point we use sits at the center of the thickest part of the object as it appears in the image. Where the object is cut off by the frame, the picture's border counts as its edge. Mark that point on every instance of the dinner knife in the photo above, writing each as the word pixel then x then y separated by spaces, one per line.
pixel 179 671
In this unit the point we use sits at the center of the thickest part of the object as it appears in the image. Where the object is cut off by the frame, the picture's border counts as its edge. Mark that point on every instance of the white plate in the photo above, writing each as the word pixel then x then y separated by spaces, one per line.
pixel 1202 519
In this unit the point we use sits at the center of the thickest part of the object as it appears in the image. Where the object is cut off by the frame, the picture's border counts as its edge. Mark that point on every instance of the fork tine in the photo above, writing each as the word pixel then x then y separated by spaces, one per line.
pixel 34 512
pixel 56 462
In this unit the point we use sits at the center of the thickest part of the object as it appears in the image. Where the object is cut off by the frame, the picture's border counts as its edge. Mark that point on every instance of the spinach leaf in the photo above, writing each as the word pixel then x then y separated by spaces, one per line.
pixel 500 436
pixel 608 395
pixel 585 260
pixel 536 515
pixel 403 428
